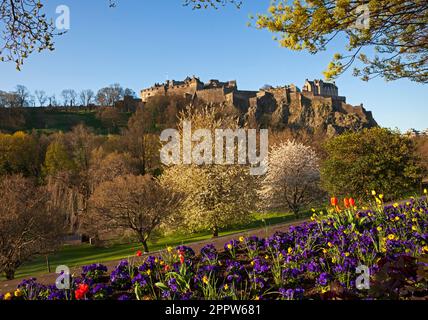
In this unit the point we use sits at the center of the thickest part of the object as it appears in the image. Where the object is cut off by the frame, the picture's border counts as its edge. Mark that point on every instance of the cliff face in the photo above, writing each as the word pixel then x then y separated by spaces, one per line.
pixel 304 110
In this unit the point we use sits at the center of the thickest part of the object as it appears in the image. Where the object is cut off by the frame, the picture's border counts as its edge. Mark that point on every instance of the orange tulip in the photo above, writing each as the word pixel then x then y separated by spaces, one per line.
pixel 352 202
pixel 334 201
pixel 346 202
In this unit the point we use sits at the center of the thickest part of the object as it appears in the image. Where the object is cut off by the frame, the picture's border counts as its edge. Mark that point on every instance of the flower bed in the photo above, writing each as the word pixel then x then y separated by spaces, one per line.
pixel 317 260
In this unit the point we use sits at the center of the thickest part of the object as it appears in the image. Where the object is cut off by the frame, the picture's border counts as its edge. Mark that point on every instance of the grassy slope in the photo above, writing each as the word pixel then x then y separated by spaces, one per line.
pixel 73 256
pixel 50 120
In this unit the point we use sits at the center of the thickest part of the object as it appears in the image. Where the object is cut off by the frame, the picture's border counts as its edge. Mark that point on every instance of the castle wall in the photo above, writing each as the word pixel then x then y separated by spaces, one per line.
pixel 215 95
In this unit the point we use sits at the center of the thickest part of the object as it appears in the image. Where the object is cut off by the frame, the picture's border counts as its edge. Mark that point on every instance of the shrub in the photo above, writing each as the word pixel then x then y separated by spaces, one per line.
pixel 373 159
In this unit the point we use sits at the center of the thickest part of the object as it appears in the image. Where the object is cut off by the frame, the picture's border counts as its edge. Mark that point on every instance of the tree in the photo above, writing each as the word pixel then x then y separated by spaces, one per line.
pixel 293 177
pixel 136 203
pixel 108 96
pixel 216 195
pixel 28 225
pixel 57 159
pixel 53 102
pixel 395 29
pixel 9 100
pixel 22 96
pixel 86 97
pixel 110 117
pixel 25 29
pixel 141 144
pixel 18 154
pixel 373 159
pixel 41 96
pixel 107 166
pixel 69 96
pixel 130 93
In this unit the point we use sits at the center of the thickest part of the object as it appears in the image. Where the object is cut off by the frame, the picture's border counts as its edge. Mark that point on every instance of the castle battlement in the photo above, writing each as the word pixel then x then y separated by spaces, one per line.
pixel 215 91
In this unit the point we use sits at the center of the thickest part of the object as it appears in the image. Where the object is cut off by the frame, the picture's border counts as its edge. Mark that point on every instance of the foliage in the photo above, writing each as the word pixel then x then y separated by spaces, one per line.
pixel 57 159
pixel 396 32
pixel 19 154
pixel 373 159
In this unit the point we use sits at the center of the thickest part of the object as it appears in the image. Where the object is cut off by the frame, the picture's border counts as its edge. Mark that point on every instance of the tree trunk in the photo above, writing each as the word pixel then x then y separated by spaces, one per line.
pixel 10 274
pixel 296 212
pixel 215 232
pixel 145 246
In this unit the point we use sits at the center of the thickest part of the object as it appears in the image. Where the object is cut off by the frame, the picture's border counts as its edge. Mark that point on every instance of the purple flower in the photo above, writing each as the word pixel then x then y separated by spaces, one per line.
pixel 323 279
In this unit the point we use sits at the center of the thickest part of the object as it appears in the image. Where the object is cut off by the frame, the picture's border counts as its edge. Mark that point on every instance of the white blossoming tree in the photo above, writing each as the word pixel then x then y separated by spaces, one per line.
pixel 293 177
pixel 216 196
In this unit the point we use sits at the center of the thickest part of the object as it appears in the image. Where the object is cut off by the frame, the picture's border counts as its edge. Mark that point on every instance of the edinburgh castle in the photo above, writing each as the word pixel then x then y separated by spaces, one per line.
pixel 317 106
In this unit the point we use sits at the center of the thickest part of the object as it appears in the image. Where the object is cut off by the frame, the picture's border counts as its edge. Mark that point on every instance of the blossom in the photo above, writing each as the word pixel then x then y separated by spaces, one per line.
pixel 334 201
pixel 352 202
pixel 81 291
pixel 8 296
pixel 181 256
pixel 139 253
pixel 346 203
pixel 391 237
pixel 17 293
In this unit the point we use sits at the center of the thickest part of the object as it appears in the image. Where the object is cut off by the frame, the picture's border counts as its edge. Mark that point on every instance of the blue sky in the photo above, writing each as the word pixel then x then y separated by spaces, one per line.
pixel 141 42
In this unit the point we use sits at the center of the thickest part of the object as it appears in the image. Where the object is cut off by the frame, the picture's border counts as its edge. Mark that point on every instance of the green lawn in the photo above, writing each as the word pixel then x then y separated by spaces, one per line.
pixel 73 256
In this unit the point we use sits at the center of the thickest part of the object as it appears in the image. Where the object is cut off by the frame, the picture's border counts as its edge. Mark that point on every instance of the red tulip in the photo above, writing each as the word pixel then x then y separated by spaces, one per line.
pixel 352 202
pixel 139 253
pixel 81 291
pixel 334 201
pixel 181 255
